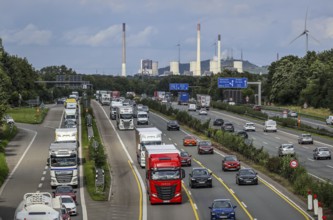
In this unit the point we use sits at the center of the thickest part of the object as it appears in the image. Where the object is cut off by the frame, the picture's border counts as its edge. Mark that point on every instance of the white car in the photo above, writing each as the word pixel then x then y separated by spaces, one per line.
pixel 192 107
pixel 8 119
pixel 249 126
pixel 203 112
pixel 69 203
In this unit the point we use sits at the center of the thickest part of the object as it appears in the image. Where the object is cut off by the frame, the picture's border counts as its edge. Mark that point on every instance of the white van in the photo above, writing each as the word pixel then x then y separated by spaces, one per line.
pixel 192 107
pixel 142 118
pixel 70 114
pixel 270 125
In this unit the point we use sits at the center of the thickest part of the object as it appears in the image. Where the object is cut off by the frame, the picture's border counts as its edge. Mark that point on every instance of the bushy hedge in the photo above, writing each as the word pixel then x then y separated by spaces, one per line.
pixel 298 177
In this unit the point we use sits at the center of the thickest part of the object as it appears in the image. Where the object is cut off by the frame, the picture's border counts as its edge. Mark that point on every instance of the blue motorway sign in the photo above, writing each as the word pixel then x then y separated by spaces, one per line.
pixel 178 86
pixel 232 83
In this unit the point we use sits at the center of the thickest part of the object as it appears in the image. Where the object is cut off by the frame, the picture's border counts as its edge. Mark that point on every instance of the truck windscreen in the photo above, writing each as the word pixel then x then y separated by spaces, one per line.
pixel 165 175
pixel 126 116
pixel 63 161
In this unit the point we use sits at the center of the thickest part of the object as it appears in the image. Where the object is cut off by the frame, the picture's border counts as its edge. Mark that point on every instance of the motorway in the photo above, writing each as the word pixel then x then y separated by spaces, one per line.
pixel 263 201
pixel 321 169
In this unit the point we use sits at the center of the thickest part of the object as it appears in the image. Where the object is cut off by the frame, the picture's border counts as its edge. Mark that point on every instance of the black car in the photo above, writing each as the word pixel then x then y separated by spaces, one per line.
pixel 228 127
pixel 200 177
pixel 246 176
pixel 172 125
pixel 218 122
pixel 242 134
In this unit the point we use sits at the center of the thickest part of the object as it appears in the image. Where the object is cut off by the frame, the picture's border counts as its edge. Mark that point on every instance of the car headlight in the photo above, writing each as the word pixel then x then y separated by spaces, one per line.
pixel 240 178
pixel 209 178
pixel 213 213
pixel 192 179
pixel 255 178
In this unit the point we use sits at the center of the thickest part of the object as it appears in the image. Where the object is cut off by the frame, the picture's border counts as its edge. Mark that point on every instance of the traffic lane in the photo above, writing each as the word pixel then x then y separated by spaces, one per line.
pixel 214 163
pixel 124 202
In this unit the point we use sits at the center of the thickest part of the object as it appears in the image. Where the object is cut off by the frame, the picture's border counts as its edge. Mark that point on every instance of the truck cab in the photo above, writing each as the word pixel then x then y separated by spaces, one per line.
pixel 124 117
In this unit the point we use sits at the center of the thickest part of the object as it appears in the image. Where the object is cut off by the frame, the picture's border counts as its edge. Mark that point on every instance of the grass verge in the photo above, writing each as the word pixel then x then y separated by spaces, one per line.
pixel 28 115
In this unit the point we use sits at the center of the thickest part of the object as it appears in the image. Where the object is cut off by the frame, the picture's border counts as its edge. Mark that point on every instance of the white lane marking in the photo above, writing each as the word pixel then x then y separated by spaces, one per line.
pixel 195 206
pixel 329 166
pixel 265 142
pixel 46 168
pixel 278 138
pixel 143 187
pixel 233 192
pixel 254 138
pixel 164 134
pixel 244 205
pixel 175 144
pixel 19 162
pixel 317 177
pixel 44 172
pixel 42 179
pixel 189 192
pixel 40 185
pixel 311 159
pixel 169 139
pixel 290 142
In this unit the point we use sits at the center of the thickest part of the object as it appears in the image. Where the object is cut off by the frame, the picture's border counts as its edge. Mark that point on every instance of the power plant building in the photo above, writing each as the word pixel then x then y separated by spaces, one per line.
pixel 238 65
pixel 174 67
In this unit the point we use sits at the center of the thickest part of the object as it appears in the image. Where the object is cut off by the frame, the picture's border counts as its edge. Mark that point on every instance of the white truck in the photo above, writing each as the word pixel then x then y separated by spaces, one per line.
pixel 36 206
pixel 142 118
pixel 203 101
pixel 144 137
pixel 70 114
pixel 124 117
pixel 113 108
pixel 63 164
pixel 105 99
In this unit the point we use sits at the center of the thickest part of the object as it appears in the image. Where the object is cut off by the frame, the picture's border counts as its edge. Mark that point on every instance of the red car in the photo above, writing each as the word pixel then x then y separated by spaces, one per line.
pixel 230 162
pixel 65 190
pixel 65 214
pixel 189 141
pixel 185 158
pixel 205 147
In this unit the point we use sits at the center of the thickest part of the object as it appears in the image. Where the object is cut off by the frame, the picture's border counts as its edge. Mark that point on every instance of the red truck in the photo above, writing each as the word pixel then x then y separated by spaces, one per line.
pixel 164 174
pixel 115 95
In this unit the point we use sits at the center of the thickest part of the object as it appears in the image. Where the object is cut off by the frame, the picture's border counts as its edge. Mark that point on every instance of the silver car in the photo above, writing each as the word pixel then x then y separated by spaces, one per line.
pixel 286 149
pixel 305 139
pixel 321 152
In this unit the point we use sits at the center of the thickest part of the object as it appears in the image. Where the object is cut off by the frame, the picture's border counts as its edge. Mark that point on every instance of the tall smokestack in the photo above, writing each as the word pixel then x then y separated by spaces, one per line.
pixel 123 64
pixel 198 64
pixel 219 53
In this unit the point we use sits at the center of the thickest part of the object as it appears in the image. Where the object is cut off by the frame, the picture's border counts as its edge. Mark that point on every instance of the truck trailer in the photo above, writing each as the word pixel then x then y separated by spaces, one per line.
pixel 183 98
pixel 203 101
pixel 164 174
pixel 145 137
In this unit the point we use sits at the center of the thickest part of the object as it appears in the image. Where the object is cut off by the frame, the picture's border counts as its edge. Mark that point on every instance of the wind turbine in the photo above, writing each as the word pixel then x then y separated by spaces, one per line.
pixel 306 33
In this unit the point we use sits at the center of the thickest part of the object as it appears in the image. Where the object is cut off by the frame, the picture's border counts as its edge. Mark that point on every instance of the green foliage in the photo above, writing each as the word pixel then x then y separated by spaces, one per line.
pixel 28 115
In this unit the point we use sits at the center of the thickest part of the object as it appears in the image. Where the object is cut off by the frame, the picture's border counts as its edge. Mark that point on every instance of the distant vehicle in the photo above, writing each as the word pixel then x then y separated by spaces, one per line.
pixel 286 149
pixel 185 158
pixel 145 108
pixel 200 176
pixel 270 125
pixel 242 134
pixel 329 120
pixel 230 162
pixel 222 209
pixel 189 141
pixel 183 98
pixel 192 107
pixel 205 147
pixel 246 176
pixel 249 126
pixel 70 124
pixel 61 101
pixel 65 214
pixel 203 101
pixel 8 119
pixel 292 114
pixel 65 190
pixel 231 103
pixel 218 122
pixel 164 101
pixel 305 139
pixel 203 111
pixel 228 127
pixel 257 108
pixel 142 118
pixel 69 203
pixel 321 153
pixel 172 125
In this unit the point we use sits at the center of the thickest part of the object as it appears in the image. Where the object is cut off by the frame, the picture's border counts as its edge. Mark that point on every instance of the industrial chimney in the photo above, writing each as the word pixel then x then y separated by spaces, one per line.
pixel 219 53
pixel 123 64
pixel 198 64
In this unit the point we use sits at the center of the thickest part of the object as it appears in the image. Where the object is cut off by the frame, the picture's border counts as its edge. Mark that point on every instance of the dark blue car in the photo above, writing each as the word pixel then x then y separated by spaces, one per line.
pixel 222 209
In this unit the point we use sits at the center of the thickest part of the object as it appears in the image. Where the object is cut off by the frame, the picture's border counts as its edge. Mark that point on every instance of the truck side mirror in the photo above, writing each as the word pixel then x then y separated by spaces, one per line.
pixel 183 173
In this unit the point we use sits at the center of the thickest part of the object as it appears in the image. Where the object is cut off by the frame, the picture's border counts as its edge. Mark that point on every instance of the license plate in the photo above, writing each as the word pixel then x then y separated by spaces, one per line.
pixel 202 182
pixel 166 201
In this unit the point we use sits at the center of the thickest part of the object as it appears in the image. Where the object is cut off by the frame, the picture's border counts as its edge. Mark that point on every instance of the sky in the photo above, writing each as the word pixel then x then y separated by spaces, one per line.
pixel 86 35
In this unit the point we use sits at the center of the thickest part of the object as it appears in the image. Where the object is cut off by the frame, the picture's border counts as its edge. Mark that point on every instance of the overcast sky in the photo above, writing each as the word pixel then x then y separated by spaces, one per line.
pixel 85 35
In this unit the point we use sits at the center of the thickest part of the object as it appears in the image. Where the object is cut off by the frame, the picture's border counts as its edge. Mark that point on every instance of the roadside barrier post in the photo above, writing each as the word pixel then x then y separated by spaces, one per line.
pixel 310 204
pixel 320 211
pixel 315 204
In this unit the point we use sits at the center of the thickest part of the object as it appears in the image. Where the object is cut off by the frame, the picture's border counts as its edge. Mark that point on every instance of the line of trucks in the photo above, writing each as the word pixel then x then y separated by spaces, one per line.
pixel 63 161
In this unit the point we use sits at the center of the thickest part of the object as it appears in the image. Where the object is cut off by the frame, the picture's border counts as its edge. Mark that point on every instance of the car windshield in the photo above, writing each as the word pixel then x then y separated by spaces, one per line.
pixel 246 172
pixel 222 204
pixel 228 124
pixel 205 143
pixel 64 190
pixel 63 161
pixel 323 149
pixel 288 146
pixel 200 172
pixel 249 124
pixel 188 137
pixel 271 123
pixel 142 116
pixel 173 122
pixel 184 154
pixel 230 158
pixel 165 175
pixel 306 135
pixel 66 200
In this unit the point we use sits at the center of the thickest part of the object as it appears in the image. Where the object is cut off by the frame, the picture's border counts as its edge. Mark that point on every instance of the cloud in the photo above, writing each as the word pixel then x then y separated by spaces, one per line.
pixel 83 36
pixel 325 29
pixel 29 35
pixel 142 38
